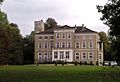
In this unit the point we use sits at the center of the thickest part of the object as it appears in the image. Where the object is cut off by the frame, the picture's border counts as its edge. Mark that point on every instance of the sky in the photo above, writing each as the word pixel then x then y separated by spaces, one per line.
pixel 65 12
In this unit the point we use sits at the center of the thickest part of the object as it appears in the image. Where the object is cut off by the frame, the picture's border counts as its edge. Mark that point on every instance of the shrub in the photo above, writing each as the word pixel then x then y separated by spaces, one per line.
pixel 80 62
pixel 97 63
pixel 85 62
pixel 75 63
pixel 62 62
pixel 56 63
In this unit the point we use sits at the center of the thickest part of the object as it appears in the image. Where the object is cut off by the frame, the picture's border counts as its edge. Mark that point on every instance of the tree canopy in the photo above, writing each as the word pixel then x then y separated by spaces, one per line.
pixel 111 17
pixel 50 23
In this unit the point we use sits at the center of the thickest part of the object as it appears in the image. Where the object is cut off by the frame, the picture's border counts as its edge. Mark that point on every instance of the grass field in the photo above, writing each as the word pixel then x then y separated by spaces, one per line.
pixel 46 73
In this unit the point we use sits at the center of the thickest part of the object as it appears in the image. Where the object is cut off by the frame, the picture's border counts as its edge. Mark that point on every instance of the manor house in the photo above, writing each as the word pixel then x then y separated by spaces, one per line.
pixel 67 43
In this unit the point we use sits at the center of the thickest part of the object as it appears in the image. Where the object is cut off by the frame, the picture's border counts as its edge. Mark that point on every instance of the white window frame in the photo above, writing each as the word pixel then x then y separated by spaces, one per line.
pixel 57 35
pixel 62 44
pixel 83 44
pixel 90 43
pixel 46 45
pixel 68 34
pixel 85 55
pixel 90 54
pixel 67 54
pixel 68 44
pixel 46 56
pixel 77 45
pixel 77 55
pixel 39 45
pixel 63 34
pixel 56 55
pixel 57 44
pixel 40 55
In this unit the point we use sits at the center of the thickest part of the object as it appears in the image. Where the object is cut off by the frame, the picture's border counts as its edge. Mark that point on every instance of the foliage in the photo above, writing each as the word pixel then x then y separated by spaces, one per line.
pixel 28 48
pixel 106 45
pixel 111 17
pixel 75 63
pixel 50 23
pixel 10 42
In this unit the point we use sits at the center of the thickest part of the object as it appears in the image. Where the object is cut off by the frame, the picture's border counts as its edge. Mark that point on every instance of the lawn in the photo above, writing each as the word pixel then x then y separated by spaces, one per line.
pixel 47 73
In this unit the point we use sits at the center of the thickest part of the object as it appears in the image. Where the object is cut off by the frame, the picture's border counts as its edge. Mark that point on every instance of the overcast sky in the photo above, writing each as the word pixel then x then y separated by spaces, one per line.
pixel 65 12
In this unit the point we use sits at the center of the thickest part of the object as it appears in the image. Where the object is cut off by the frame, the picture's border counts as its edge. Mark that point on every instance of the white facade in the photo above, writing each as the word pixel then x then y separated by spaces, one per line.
pixel 66 57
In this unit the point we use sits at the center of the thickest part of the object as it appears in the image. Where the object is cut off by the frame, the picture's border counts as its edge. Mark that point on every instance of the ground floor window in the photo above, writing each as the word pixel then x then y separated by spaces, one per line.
pixel 67 55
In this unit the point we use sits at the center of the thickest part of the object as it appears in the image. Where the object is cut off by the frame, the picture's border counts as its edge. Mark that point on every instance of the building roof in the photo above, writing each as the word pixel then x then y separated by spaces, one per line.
pixel 78 29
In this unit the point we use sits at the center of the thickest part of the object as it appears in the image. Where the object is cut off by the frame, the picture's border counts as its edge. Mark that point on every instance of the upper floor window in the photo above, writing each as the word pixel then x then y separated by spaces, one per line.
pixel 68 44
pixel 40 45
pixel 51 44
pixel 40 37
pixel 57 44
pixel 63 35
pixel 69 35
pixel 51 37
pixel 100 56
pixel 57 35
pixel 67 55
pixel 84 45
pixel 46 45
pixel 77 55
pixel 90 45
pixel 63 44
pixel 90 55
pixel 46 37
pixel 84 56
pixel 77 45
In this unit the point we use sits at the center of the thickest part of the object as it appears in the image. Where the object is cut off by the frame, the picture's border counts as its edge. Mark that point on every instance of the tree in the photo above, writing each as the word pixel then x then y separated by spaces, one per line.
pixel 28 48
pixel 50 23
pixel 1 1
pixel 111 17
pixel 106 45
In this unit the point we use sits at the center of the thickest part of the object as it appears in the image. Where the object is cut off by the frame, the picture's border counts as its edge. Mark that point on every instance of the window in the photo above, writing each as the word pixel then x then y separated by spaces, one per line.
pixel 63 44
pixel 40 45
pixel 91 45
pixel 77 55
pixel 46 45
pixel 100 56
pixel 57 35
pixel 68 44
pixel 84 45
pixel 40 37
pixel 55 54
pixel 51 37
pixel 68 35
pixel 57 44
pixel 84 56
pixel 77 45
pixel 46 56
pixel 91 55
pixel 40 56
pixel 50 55
pixel 67 55
pixel 51 44
pixel 63 35
pixel 46 37
pixel 61 55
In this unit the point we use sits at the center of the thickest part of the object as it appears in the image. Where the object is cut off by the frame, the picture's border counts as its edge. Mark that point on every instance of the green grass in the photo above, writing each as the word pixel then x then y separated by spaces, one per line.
pixel 47 73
